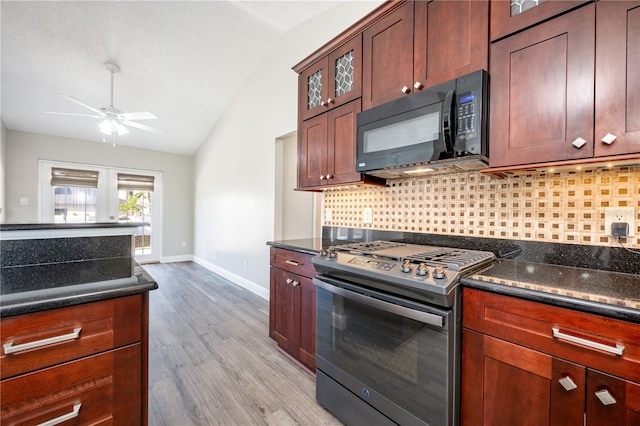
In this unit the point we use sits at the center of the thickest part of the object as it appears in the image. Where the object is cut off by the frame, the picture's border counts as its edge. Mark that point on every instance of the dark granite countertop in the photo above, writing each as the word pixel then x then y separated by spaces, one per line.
pixel 612 294
pixel 43 226
pixel 58 297
pixel 306 245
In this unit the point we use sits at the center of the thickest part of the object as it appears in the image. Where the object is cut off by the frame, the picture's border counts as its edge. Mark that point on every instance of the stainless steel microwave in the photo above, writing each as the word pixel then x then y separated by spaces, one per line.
pixel 440 129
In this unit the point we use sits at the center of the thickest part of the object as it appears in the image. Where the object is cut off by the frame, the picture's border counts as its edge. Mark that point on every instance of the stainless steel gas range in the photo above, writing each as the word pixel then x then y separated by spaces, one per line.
pixel 388 331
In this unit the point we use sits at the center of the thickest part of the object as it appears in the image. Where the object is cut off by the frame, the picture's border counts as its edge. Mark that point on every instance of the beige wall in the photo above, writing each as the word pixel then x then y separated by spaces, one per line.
pixel 235 166
pixel 3 180
pixel 23 151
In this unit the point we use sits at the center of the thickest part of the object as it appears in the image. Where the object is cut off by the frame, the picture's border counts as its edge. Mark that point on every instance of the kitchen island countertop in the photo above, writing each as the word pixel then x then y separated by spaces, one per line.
pixel 58 297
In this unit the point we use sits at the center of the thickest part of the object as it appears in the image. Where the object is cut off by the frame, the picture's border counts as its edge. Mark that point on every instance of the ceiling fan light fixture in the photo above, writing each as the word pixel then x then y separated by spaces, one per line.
pixel 112 127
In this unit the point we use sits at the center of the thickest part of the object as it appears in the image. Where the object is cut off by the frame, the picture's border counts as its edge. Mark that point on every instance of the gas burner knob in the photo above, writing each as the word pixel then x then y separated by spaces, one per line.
pixel 438 273
pixel 422 270
pixel 324 252
pixel 406 267
pixel 333 253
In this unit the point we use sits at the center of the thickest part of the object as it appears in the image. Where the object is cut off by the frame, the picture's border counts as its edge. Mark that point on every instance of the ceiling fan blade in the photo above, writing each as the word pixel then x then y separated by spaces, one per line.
pixel 96 110
pixel 141 126
pixel 71 113
pixel 143 115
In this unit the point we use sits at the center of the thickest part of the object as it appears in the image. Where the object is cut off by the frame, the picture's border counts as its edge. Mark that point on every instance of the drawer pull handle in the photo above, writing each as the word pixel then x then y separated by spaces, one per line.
pixel 64 417
pixel 605 397
pixel 9 348
pixel 567 383
pixel 292 262
pixel 618 350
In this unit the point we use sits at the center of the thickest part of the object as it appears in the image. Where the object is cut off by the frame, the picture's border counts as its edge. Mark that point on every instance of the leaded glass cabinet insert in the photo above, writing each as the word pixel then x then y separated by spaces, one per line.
pixel 344 73
pixel 519 6
pixel 314 93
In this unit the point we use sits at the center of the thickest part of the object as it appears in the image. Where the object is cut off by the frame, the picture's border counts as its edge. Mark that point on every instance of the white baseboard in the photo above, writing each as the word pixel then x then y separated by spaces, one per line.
pixel 234 278
pixel 181 258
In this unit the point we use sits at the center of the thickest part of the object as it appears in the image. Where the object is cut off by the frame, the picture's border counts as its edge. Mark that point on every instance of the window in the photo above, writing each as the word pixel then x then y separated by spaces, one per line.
pixel 75 194
pixel 83 193
pixel 134 205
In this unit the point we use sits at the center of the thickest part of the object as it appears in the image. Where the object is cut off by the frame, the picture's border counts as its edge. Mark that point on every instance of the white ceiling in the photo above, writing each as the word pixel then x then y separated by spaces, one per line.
pixel 184 61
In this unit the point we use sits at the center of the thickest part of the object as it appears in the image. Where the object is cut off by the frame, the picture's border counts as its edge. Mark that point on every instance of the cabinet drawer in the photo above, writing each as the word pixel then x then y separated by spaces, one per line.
pixel 42 339
pixel 587 339
pixel 293 261
pixel 100 389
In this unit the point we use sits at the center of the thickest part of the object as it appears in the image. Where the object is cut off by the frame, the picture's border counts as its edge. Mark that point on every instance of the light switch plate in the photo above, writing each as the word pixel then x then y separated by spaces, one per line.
pixel 367 215
pixel 328 215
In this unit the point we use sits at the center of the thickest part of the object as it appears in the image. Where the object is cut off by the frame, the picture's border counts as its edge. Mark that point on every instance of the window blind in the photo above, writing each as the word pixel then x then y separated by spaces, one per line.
pixel 74 177
pixel 135 182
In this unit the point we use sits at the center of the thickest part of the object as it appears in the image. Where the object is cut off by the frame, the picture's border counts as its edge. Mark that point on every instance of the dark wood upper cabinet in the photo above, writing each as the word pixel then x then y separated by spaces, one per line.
pixel 508 17
pixel 542 92
pixel 451 39
pixel 331 81
pixel 327 148
pixel 421 44
pixel 388 57
pixel 617 77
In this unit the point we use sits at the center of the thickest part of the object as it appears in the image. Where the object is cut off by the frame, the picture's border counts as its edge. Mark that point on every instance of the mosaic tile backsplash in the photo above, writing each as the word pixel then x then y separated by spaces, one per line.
pixel 566 207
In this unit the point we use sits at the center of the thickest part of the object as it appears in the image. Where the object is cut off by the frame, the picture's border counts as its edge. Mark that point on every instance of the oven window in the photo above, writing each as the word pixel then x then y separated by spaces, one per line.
pixel 405 360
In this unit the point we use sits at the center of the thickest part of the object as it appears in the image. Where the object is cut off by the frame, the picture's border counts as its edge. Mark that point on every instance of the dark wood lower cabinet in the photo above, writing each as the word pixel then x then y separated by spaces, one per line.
pixel 83 364
pixel 507 384
pixel 527 383
pixel 292 305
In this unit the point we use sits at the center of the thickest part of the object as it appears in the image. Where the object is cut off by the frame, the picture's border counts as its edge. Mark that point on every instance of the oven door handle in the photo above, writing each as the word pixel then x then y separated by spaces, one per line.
pixel 392 308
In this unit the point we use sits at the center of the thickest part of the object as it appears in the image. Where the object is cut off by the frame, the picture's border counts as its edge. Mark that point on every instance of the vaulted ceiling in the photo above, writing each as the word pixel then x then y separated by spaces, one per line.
pixel 184 61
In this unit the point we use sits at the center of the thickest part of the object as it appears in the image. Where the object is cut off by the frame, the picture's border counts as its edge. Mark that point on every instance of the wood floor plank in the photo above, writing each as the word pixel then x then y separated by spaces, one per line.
pixel 211 361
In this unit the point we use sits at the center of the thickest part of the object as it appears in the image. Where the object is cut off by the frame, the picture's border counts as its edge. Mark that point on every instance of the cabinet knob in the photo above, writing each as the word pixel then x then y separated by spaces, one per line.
pixel 417 85
pixel 609 138
pixel 567 383
pixel 295 283
pixel 323 103
pixel 579 143
pixel 289 280
pixel 322 177
pixel 405 90
pixel 329 177
pixel 605 397
pixel 329 101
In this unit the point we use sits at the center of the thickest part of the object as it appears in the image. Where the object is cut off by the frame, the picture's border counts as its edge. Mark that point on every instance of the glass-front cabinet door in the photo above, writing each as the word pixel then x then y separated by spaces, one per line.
pixel 331 81
pixel 510 16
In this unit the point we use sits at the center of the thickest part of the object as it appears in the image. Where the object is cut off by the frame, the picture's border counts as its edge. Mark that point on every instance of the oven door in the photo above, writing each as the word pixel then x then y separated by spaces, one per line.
pixel 396 355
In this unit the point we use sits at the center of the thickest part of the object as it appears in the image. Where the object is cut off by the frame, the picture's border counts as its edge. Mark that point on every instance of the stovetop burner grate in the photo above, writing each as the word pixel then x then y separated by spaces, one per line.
pixel 368 246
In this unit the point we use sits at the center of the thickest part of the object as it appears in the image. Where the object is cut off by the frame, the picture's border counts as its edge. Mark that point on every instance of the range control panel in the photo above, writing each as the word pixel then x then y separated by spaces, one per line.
pixel 372 263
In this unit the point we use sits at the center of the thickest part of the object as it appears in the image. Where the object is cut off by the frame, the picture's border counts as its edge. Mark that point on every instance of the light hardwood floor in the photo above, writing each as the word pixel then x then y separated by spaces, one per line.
pixel 211 361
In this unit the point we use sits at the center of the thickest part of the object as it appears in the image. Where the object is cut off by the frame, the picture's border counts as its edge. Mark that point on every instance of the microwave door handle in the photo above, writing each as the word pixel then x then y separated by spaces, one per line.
pixel 424 317
pixel 447 120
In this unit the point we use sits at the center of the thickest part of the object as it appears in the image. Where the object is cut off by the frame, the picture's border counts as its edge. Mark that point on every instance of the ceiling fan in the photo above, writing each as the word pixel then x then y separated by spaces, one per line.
pixel 114 121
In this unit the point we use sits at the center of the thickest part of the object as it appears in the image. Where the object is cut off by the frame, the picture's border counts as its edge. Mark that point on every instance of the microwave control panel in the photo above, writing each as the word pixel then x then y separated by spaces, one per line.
pixel 468 134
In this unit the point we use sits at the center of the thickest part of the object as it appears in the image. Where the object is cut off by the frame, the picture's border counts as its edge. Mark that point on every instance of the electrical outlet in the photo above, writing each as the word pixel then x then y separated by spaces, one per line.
pixel 367 215
pixel 619 215
pixel 328 215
